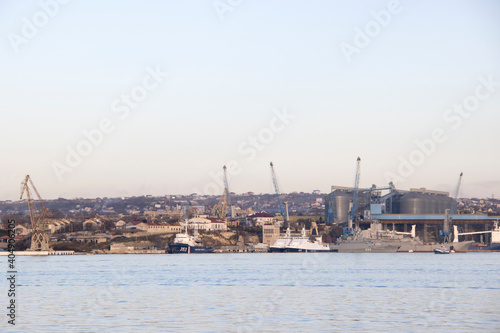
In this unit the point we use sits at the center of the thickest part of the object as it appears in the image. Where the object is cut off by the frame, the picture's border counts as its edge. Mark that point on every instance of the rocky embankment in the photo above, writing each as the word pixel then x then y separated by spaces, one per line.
pixel 229 238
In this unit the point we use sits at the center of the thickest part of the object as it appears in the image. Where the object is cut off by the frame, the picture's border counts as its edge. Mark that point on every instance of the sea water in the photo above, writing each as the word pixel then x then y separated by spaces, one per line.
pixel 257 292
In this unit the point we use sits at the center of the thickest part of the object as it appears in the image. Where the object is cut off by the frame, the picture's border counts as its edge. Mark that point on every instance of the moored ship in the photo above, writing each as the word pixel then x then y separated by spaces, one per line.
pixel 406 241
pixel 302 243
pixel 494 246
pixel 362 246
pixel 185 243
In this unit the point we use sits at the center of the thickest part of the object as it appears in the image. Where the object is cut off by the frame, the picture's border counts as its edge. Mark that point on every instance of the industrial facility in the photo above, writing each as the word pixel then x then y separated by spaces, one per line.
pixel 370 202
pixel 398 210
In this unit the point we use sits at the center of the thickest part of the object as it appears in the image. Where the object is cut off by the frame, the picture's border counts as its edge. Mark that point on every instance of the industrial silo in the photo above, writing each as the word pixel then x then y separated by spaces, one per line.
pixel 442 204
pixel 427 204
pixel 341 206
pixel 446 203
pixel 413 203
pixel 435 204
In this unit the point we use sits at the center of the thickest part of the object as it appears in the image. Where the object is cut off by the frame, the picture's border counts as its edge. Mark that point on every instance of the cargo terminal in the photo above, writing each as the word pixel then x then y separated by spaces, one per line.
pixel 398 210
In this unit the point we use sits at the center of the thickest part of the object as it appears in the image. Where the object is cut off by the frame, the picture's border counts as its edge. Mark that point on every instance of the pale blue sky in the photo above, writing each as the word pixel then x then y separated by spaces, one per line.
pixel 225 79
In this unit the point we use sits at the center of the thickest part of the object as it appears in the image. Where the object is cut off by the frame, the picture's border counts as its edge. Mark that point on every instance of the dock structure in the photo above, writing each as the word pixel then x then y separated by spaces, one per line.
pixel 429 224
pixel 37 253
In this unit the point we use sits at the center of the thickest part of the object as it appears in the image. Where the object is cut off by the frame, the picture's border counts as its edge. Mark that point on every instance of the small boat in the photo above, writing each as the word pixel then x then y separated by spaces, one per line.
pixel 441 250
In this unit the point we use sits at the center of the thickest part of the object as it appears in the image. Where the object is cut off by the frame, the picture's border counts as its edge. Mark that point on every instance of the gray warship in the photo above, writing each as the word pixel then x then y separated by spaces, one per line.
pixel 407 241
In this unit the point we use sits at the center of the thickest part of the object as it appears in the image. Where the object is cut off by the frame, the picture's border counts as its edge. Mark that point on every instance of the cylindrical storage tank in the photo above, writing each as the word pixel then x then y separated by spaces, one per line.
pixel 342 202
pixel 412 203
pixel 441 204
pixel 427 203
pixel 446 203
pixel 435 204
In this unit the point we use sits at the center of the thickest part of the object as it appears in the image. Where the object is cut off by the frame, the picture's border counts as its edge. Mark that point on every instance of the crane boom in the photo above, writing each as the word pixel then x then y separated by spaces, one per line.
pixel 39 225
pixel 445 233
pixel 355 194
pixel 221 208
pixel 455 198
pixel 277 190
pixel 226 187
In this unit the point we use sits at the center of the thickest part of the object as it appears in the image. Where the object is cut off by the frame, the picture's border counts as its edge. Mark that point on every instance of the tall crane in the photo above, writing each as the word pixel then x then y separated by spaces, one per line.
pixel 39 218
pixel 354 207
pixel 220 209
pixel 455 198
pixel 445 233
pixel 278 194
pixel 226 188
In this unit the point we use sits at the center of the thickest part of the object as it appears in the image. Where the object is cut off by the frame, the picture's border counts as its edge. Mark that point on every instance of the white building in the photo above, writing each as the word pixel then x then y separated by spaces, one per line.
pixel 259 219
pixel 206 224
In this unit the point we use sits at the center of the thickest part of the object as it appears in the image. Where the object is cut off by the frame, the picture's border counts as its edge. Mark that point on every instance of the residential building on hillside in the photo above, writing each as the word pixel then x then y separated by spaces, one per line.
pixel 259 219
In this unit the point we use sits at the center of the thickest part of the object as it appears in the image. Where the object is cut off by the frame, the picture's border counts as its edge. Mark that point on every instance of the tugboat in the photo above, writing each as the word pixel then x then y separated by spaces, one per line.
pixel 185 243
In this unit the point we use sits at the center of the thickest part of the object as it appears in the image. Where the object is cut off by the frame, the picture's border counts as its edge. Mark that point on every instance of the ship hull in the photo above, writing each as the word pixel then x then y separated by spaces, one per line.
pixel 306 250
pixel 276 249
pixel 363 247
pixel 494 247
pixel 459 247
pixel 186 248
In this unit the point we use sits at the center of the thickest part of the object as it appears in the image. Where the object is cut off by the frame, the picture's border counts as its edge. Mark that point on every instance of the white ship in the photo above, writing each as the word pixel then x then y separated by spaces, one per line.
pixel 302 243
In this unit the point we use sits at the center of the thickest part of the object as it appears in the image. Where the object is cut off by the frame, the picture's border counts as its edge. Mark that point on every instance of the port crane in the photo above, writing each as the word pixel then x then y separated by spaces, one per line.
pixel 455 198
pixel 221 208
pixel 39 218
pixel 445 233
pixel 282 208
pixel 226 189
pixel 349 230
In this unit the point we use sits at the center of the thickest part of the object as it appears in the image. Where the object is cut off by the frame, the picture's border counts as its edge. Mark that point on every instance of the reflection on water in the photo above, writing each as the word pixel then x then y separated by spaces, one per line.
pixel 324 292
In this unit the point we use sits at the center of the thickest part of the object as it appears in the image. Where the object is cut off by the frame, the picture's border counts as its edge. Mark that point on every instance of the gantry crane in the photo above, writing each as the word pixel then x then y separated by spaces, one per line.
pixel 281 207
pixel 220 209
pixel 39 217
pixel 352 218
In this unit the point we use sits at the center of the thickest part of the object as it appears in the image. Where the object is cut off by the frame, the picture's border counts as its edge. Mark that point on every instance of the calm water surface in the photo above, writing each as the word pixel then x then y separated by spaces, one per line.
pixel 275 292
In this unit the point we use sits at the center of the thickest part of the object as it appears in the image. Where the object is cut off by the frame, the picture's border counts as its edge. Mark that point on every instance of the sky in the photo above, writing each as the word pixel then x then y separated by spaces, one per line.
pixel 127 98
